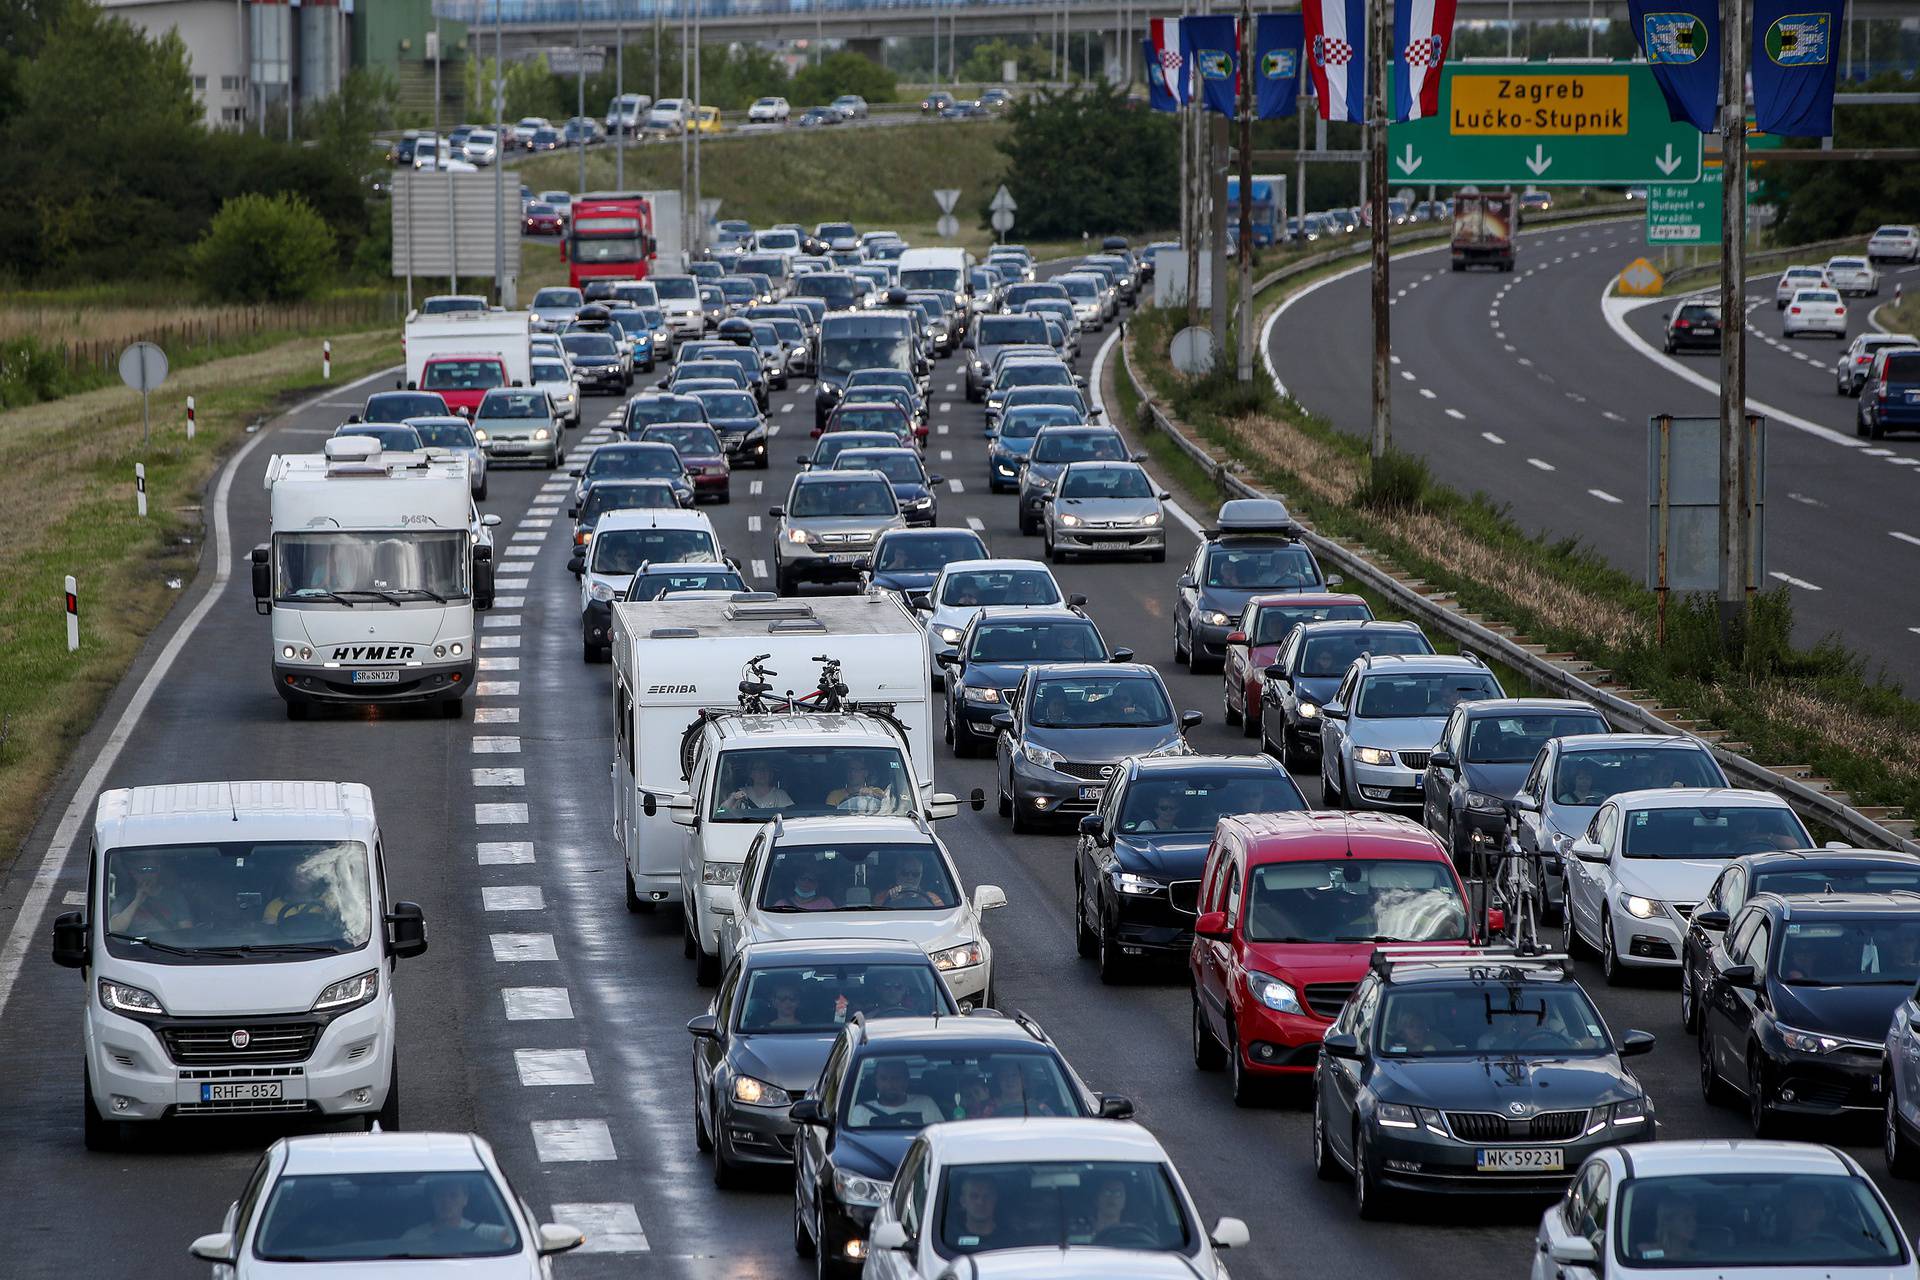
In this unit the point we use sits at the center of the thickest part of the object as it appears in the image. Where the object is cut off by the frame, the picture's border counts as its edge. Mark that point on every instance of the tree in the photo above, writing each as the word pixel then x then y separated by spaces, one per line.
pixel 842 73
pixel 265 249
pixel 986 61
pixel 1082 161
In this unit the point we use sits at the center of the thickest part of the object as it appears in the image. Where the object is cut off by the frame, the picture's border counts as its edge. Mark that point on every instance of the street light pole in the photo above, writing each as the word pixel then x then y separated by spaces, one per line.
pixel 499 164
pixel 580 83
pixel 619 103
pixel 1377 201
pixel 1736 556
pixel 1247 45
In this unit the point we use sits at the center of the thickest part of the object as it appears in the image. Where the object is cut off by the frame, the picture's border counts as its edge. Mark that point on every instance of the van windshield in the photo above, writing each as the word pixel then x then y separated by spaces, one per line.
pixel 947 278
pixel 347 567
pixel 678 288
pixel 753 784
pixel 1354 900
pixel 237 900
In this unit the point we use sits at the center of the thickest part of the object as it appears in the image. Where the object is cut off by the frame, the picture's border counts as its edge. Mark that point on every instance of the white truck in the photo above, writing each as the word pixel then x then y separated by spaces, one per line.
pixel 441 341
pixel 376 565
pixel 947 269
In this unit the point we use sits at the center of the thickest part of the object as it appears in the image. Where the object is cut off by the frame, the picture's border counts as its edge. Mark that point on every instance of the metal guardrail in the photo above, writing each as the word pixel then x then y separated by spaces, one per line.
pixel 1811 802
pixel 1758 263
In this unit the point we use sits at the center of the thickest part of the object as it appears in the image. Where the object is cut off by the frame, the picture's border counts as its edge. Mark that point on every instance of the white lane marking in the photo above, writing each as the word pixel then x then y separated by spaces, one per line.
pixel 1491 438
pixel 523 553
pixel 940 429
pixel 946 455
pixel 537 1004
pixel 1407 375
pixel 500 815
pixel 1542 464
pixel 496 715
pixel 1097 375
pixel 24 932
pixel 559 1141
pixel 505 620
pixel 753 524
pixel 789 407
pixel 74 898
pixel 504 853
pixel 496 746
pixel 609 1228
pixel 518 948
pixel 1500 334
pixel 773 431
pixel 499 642
pixel 1509 346
pixel 758 568
pixel 754 487
pixel 1427 393
pixel 1904 537
pixel 536 524
pixel 494 777
pixel 1456 415
pixel 512 897
pixel 538 1067
pixel 1525 361
pixel 1611 416
pixel 498 664
pixel 1394 359
pixel 952 387
pixel 496 689
pixel 1792 581
pixel 958 486
pixel 976 524
pixel 509 602
pixel 1605 497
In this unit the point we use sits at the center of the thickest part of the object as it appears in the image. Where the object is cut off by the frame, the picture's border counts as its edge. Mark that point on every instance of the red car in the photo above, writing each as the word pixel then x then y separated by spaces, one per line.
pixel 871 415
pixel 1291 906
pixel 701 453
pixel 542 220
pixel 1263 629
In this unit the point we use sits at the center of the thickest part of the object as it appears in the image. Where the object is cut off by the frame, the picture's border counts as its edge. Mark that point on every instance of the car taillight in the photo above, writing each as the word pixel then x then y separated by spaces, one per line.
pixel 1839 311
pixel 1880 392
pixel 1683 324
pixel 1793 311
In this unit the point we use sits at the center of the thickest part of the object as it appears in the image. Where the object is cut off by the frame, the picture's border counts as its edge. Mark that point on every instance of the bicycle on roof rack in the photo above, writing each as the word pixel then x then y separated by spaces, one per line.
pixel 1511 880
pixel 829 693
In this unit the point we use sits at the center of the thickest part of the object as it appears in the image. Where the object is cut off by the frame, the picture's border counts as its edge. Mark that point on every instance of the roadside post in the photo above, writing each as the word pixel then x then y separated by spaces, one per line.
pixel 140 488
pixel 143 367
pixel 73 615
pixel 326 360
pixel 189 417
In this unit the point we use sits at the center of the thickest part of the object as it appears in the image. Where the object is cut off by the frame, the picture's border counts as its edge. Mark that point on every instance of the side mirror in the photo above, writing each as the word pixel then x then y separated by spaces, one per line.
pixel 1273 671
pixel 407 930
pixel 1712 918
pixel 680 809
pixel 218 1247
pixel 1115 1106
pixel 70 940
pixel 1526 803
pixel 577 565
pixel 1048 497
pixel 805 1111
pixel 1341 1044
pixel 1236 637
pixel 888 1235
pixel 986 897
pixel 555 1237
pixel 483 578
pixel 943 806
pixel 516 382
pixel 490 522
pixel 1440 758
pixel 1588 851
pixel 704 1027
pixel 1333 711
pixel 262 578
pixel 576 473
pixel 1122 654
pixel 352 418
pixel 1076 601
pixel 936 480
pixel 1336 580
pixel 1738 975
pixel 778 513
pixel 1211 925
pixel 1188 719
pixel 1002 722
pixel 1635 1043
pixel 1186 582
pixel 1574 1251
pixel 1093 827
pixel 947 659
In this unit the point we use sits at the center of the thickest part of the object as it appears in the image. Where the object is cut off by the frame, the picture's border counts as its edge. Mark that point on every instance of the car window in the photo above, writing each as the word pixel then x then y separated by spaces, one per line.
pixel 516 404
pixel 1867 952
pixel 908 1091
pixel 1052 640
pixel 1000 586
pixel 1517 737
pixel 842 498
pixel 910 1189
pixel 1720 1221
pixel 1118 1204
pixel 1272 566
pixel 1838 879
pixel 1331 655
pixel 699 441
pixel 1711 831
pixel 1106 482
pixel 1589 777
pixel 754 784
pixel 653 586
pixel 897 465
pixel 1232 886
pixel 1349 900
pixel 372 1215
pixel 1412 695
pixel 608 464
pixel 851 876
pixel 1194 803
pixel 1079 446
pixel 1518 1019
pixel 1276 621
pixel 445 435
pixel 811 999
pixel 926 553
pixel 463 375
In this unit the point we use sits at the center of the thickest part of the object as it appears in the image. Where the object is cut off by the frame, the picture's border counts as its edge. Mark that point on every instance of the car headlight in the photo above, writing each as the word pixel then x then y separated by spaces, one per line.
pixel 1070 520
pixel 949 634
pixel 1041 756
pixel 350 993
pixel 1152 519
pixel 121 998
pixel 541 433
pixel 758 1093
pixel 1395 1115
pixel 978 693
pixel 1140 886
pixel 851 1188
pixel 480 434
pixel 1643 908
pixel 1808 1041
pixel 1485 803
pixel 725 874
pixel 964 956
pixel 801 536
pixel 1308 710
pixel 1373 755
pixel 1039 481
pixel 920 504
pixel 1273 993
pixel 1215 618
pixel 1631 1112
pixel 600 591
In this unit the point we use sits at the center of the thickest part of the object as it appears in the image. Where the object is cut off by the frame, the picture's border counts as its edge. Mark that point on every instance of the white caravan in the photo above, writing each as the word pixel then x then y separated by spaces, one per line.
pixel 470 333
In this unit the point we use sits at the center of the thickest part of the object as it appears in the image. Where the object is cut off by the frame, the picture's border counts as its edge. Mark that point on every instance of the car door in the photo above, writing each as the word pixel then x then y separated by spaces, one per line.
pixel 1744 1004
pixel 708 1054
pixel 1566 1220
pixel 1005 742
pixel 1903 1060
pixel 1706 948
pixel 1333 729
pixel 910 1209
pixel 813 1141
pixel 1716 998
pixel 1096 856
pixel 1187 593
pixel 1524 825
pixel 1585 878
pixel 1209 954
pixel 1344 1077
pixel 733 926
pixel 1437 785
pixel 1233 669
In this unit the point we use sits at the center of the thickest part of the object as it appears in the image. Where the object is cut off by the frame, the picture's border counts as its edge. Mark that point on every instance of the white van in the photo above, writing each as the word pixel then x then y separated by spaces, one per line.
pixel 669 115
pixel 625 112
pixel 945 269
pixel 238 949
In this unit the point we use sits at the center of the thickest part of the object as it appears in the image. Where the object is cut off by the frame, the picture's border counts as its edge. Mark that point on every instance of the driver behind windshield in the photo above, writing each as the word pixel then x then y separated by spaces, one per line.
pixel 889 1102
pixel 909 888
pixel 760 791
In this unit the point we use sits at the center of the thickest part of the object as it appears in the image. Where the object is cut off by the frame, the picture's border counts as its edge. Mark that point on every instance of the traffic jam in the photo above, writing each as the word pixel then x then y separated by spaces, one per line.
pixel 825 647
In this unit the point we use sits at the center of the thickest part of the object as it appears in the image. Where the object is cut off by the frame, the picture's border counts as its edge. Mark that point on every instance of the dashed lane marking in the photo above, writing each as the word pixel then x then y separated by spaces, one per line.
pixel 1792 581
pixel 1605 497
pixel 503 620
pixel 521 948
pixel 500 815
pixel 487 746
pixel 496 689
pixel 1904 537
pixel 1491 438
pixel 537 1004
pixel 512 897
pixel 547 1067
pixel 499 642
pixel 499 777
pixel 609 1228
pixel 976 524
pixel 498 664
pixel 758 568
pixel 1427 393
pixel 504 853
pixel 753 524
pixel 561 1141
pixel 1542 464
pixel 1456 415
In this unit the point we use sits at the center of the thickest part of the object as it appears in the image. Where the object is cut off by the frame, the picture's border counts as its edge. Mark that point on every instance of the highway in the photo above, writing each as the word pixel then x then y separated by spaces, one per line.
pixel 1523 387
pixel 550 1020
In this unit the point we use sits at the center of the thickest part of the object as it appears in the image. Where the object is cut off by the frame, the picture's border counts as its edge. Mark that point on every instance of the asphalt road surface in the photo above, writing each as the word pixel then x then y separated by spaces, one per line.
pixel 618 1138
pixel 1521 386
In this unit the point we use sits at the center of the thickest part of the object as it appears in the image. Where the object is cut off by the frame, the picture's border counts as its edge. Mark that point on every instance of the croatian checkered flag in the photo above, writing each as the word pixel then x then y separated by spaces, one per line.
pixel 1422 31
pixel 1337 56
pixel 1168 68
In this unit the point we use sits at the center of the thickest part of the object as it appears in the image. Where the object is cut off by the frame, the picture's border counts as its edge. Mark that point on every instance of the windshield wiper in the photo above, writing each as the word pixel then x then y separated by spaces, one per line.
pixel 170 949
pixel 316 594
pixel 389 597
pixel 286 949
pixel 418 591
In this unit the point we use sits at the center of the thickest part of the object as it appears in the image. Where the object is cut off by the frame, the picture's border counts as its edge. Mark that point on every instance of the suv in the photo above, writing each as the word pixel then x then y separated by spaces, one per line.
pixel 1890 393
pixel 1483 755
pixel 1136 869
pixel 826 529
pixel 1380 725
pixel 1253 549
pixel 888 1079
pixel 984 339
pixel 1692 326
pixel 1291 908
pixel 1850 371
pixel 995 648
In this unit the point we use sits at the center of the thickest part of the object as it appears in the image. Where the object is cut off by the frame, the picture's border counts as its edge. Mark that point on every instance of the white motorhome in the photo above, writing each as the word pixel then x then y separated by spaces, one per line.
pixel 238 948
pixel 950 270
pixel 502 333
pixel 376 565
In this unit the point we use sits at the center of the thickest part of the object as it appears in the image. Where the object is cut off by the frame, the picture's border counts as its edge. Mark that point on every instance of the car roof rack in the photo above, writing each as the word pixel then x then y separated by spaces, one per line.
pixel 1498 962
pixel 1240 517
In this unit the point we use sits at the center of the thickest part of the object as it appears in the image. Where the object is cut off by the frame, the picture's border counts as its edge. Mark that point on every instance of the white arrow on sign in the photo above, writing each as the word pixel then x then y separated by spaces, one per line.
pixel 1669 161
pixel 1407 161
pixel 1539 162
pixel 1002 199
pixel 946 198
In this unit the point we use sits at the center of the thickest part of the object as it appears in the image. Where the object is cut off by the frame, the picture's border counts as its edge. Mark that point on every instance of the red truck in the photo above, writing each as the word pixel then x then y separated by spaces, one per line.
pixel 609 237
pixel 1483 225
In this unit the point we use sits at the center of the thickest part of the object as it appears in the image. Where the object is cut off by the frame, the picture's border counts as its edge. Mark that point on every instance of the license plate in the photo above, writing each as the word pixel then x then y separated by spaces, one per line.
pixel 1419 777
pixel 847 557
pixel 1092 793
pixel 1913 396
pixel 1522 1160
pixel 249 1091
pixel 388 676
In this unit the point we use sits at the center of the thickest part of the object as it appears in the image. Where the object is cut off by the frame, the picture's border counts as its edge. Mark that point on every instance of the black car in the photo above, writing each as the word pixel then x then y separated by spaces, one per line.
pixel 1479 1073
pixel 1253 549
pixel 830 446
pixel 888 1079
pixel 1795 1018
pixel 1136 873
pixel 742 427
pixel 1483 755
pixel 398 406
pixel 914 487
pixel 908 560
pixel 621 495
pixel 1054 449
pixel 814 117
pixel 763 1042
pixel 995 650
pixel 1786 871
pixel 745 358
pixel 650 407
pixel 1308 669
pixel 631 460
pixel 1692 326
pixel 596 361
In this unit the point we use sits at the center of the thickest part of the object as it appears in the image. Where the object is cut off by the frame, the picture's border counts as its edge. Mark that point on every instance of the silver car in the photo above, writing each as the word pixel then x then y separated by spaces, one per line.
pixel 555 377
pixel 1105 508
pixel 1382 723
pixel 826 530
pixel 454 435
pixel 553 308
pixel 518 424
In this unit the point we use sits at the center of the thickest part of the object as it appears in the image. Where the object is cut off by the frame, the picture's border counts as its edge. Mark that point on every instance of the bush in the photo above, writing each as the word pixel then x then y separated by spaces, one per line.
pixel 1083 162
pixel 264 249
pixel 31 372
pixel 1396 482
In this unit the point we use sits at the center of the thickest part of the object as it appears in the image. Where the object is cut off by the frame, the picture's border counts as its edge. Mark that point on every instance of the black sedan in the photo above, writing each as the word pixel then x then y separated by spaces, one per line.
pixel 742 427
pixel 1308 669
pixel 815 117
pixel 995 650
pixel 908 560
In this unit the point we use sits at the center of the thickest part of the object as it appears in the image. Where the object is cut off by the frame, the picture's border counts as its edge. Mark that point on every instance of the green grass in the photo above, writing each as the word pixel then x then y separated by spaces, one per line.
pixel 1904 318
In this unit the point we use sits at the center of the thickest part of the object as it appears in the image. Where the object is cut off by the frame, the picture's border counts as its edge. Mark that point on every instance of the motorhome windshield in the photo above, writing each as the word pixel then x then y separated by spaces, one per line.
pixel 237 900
pixel 351 566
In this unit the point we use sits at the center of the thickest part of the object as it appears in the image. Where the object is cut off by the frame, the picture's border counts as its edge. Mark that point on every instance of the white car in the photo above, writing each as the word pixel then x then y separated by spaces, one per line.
pixel 1815 311
pixel 483 147
pixel 621 543
pixel 1021 1197
pixel 1648 857
pixel 964 587
pixel 330 1206
pixel 769 111
pixel 1736 1209
pixel 555 378
pixel 1853 275
pixel 1894 244
pixel 1794 279
pixel 1850 373
pixel 865 877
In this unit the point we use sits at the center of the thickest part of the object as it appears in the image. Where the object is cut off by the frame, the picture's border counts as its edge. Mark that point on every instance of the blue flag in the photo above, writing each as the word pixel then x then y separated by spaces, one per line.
pixel 1793 66
pixel 1212 42
pixel 1159 97
pixel 1276 84
pixel 1680 38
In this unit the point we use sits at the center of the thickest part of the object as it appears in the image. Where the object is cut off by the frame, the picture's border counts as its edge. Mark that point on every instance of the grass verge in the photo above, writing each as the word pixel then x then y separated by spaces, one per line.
pixel 67 502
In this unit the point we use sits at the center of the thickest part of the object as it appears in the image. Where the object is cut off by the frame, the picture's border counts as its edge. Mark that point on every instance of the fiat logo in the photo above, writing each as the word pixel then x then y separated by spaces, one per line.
pixel 1518 1108
pixel 242 1038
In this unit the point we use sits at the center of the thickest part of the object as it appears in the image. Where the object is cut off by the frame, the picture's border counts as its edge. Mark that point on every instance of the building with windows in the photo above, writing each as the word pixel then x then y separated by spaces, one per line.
pixel 252 58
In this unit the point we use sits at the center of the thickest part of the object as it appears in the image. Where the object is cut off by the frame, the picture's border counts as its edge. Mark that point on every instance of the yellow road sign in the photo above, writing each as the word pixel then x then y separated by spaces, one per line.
pixel 1640 279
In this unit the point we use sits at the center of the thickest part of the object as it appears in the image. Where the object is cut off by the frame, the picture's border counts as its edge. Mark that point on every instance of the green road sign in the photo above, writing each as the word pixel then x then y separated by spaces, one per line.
pixel 1685 213
pixel 1546 124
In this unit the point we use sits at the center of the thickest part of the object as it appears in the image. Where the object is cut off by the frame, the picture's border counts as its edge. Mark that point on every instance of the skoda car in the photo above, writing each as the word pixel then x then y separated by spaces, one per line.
pixel 995 648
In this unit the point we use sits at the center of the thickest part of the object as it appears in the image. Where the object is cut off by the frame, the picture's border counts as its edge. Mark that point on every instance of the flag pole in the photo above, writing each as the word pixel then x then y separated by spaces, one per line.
pixel 1377 109
pixel 1248 45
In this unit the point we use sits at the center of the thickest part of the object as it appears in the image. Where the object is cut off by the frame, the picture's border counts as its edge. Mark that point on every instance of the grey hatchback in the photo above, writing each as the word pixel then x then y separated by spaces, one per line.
pixel 826 530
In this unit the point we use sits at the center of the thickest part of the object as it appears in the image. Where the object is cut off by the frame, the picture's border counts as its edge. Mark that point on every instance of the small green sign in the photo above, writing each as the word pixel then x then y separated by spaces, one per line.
pixel 1686 213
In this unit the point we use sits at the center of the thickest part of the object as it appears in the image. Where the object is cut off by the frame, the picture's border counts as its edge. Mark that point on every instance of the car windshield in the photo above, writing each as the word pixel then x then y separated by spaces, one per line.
pixel 1354 900
pixel 905 1092
pixel 1516 1019
pixel 1841 878
pixel 1106 482
pixel 753 784
pixel 699 442
pixel 1719 1221
pixel 1025 423
pixel 842 498
pixel 996 331
pixel 549 371
pixel 1872 951
pixel 589 344
pixel 516 404
pixel 1517 738
pixel 897 465
pixel 896 378
pixel 1408 696
pixel 378 1216
pixel 841 354
pixel 463 375
pixel 855 876
pixel 394 406
pixel 613 464
pixel 555 298
pixel 1192 804
pixel 1036 374
pixel 1024 643
pixel 730 404
pixel 443 435
pixel 819 999
pixel 835 443
pixel 925 553
pixel 871 417
pixel 1711 831
pixel 1112 1204
pixel 1100 702
pixel 446 306
pixel 336 565
pixel 840 292
pixel 1067 397
pixel 621 551
pixel 677 288
pixel 392 439
pixel 652 586
pixel 778 240
pixel 1698 314
pixel 1816 295
pixel 239 899
pixel 1275 621
pixel 1000 586
pixel 1589 777
pixel 663 409
pixel 602 498
pixel 1261 567
pixel 1079 446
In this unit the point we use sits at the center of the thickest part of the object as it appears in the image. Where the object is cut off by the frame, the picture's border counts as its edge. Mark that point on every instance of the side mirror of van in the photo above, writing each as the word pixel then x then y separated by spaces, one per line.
pixel 70 940
pixel 262 579
pixel 977 800
pixel 680 809
pixel 942 806
pixel 577 565
pixel 407 930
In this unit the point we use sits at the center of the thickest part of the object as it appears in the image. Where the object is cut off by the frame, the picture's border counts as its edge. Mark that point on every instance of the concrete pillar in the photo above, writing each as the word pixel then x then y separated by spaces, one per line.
pixel 868 47
pixel 1113 57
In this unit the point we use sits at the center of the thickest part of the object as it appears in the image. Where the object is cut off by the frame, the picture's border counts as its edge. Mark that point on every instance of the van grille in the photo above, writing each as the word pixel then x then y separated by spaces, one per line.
pixel 198 1044
pixel 1328 998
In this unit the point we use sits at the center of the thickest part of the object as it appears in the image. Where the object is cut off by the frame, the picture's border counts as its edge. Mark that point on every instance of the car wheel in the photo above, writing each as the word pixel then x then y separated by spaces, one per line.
pixel 1115 968
pixel 1610 967
pixel 1460 849
pixel 296 711
pixel 480 494
pixel 1028 525
pixel 1054 554
pixel 1247 1091
pixel 1085 942
pixel 1569 932
pixel 803 1242
pixel 1689 1006
pixel 1903 1161
pixel 1325 1166
pixel 1760 1114
pixel 1713 1090
pixel 388 1117
pixel 1158 555
pixel 706 968
pixel 635 902
pixel 1179 652
pixel 96 1131
pixel 1369 1197
pixel 1292 757
pixel 1006 805
pixel 453 708
pixel 782 582
pixel 1208 1055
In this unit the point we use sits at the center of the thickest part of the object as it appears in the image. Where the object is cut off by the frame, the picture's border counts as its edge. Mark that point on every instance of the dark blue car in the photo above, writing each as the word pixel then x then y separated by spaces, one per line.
pixel 908 560
pixel 913 487
pixel 995 650
pixel 1890 396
